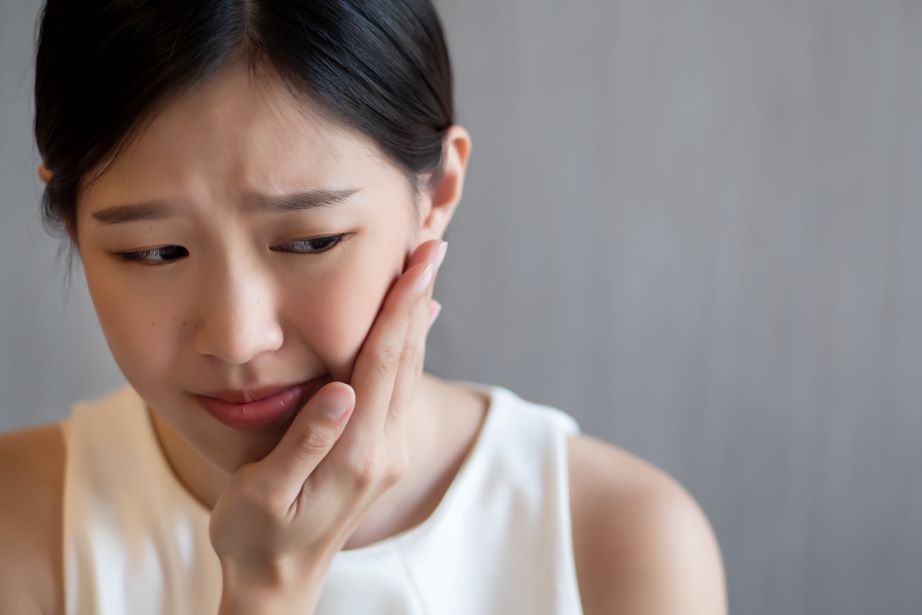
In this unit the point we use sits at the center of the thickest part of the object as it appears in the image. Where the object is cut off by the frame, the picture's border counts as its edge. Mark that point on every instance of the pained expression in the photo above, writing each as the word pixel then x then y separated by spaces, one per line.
pixel 233 297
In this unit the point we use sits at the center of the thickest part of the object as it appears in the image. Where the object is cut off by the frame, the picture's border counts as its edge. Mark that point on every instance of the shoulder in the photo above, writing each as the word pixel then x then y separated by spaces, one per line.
pixel 641 542
pixel 31 472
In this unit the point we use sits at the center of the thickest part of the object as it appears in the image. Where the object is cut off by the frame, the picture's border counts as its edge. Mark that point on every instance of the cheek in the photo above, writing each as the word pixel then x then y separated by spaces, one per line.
pixel 137 327
pixel 335 314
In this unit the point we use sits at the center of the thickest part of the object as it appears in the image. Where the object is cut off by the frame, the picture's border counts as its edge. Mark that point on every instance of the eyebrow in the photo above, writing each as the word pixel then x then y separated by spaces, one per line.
pixel 160 210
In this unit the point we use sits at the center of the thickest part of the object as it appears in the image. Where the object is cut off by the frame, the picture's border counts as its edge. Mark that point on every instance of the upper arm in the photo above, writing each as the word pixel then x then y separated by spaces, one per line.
pixel 642 544
pixel 31 480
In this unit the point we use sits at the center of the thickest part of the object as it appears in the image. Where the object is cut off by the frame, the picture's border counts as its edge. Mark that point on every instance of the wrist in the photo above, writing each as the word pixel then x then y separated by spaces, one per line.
pixel 275 590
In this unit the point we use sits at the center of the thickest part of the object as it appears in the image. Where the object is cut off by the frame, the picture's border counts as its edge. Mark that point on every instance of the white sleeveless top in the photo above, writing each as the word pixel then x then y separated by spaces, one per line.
pixel 499 542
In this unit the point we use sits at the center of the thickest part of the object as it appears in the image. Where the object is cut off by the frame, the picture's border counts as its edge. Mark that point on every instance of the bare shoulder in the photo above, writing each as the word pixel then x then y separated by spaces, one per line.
pixel 31 479
pixel 642 544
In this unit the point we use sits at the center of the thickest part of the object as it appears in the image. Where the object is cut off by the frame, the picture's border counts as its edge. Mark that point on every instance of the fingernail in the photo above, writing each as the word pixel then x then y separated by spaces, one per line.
pixel 424 280
pixel 440 254
pixel 334 406
pixel 434 309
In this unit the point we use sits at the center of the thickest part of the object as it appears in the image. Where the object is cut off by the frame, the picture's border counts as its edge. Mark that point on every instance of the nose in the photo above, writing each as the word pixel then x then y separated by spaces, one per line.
pixel 238 318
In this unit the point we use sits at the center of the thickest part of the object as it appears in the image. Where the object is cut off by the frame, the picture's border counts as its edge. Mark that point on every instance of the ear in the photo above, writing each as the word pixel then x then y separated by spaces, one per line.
pixel 44 173
pixel 443 191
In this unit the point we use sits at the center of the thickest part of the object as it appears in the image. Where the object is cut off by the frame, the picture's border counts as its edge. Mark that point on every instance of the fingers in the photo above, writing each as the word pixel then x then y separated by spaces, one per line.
pixel 380 358
pixel 414 351
pixel 435 308
pixel 311 435
pixel 383 384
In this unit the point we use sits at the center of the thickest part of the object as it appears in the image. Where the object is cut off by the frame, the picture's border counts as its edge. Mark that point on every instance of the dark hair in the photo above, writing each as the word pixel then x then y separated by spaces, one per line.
pixel 104 67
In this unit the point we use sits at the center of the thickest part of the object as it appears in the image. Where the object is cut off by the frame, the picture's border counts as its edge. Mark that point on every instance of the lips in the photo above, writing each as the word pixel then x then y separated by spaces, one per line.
pixel 248 395
pixel 258 408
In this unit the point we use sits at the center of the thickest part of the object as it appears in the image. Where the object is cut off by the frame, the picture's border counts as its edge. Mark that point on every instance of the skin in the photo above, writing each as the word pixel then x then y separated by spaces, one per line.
pixel 233 313
pixel 237 313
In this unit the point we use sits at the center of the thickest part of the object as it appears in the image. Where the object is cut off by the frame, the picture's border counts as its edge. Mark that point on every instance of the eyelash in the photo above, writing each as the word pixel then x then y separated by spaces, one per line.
pixel 140 257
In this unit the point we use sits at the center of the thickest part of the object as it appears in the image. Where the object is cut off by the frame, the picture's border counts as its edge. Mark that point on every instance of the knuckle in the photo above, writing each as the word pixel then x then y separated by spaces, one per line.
pixel 365 469
pixel 409 357
pixel 388 361
pixel 254 496
pixel 315 441
pixel 396 469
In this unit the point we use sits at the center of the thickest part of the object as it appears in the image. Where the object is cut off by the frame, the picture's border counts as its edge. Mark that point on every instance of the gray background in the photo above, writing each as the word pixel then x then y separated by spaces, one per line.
pixel 694 226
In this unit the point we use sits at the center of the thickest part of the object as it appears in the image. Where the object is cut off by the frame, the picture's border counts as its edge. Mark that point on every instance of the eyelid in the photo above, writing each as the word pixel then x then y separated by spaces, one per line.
pixel 136 256
pixel 340 237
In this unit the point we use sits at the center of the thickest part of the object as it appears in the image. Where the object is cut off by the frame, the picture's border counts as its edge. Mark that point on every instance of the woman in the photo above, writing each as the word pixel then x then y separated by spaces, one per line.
pixel 256 191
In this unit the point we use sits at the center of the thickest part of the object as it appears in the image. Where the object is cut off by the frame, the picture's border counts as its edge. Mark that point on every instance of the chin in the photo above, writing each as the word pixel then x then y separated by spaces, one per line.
pixel 232 454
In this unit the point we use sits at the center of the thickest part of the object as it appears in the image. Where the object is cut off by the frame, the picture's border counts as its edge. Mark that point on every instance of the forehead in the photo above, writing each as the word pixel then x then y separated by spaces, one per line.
pixel 237 134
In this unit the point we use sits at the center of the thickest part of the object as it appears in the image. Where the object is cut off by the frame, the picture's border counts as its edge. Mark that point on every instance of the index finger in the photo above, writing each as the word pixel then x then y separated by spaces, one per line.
pixel 378 363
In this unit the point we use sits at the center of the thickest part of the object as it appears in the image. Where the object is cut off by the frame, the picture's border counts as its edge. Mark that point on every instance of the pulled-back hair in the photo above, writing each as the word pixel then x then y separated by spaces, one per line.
pixel 105 67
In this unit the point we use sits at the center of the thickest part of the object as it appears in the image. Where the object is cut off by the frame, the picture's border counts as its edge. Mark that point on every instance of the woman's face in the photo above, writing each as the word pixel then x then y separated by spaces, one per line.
pixel 228 295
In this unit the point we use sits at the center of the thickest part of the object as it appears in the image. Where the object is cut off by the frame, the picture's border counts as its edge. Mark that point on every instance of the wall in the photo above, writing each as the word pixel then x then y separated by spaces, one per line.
pixel 694 226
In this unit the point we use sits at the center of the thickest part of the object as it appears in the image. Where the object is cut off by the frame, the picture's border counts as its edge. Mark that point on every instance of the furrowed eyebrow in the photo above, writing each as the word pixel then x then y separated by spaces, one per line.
pixel 300 200
pixel 160 210
pixel 134 212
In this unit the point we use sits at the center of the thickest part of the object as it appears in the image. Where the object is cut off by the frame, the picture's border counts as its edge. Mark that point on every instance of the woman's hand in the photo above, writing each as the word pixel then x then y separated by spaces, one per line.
pixel 280 522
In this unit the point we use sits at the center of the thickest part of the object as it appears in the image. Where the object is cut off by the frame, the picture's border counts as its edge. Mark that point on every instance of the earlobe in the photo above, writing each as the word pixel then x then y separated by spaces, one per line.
pixel 44 173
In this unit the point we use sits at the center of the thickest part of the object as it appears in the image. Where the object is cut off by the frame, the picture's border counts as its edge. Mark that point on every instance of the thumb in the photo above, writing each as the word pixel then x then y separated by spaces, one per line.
pixel 309 438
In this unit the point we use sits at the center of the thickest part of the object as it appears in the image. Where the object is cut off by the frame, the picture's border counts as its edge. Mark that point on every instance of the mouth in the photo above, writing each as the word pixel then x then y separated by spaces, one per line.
pixel 259 408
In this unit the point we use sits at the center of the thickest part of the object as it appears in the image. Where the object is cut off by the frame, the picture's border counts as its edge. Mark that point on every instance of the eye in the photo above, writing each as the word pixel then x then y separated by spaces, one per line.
pixel 317 245
pixel 154 256
pixel 165 255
